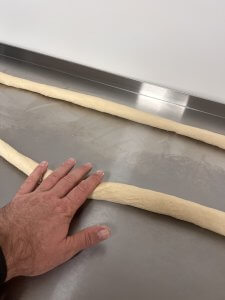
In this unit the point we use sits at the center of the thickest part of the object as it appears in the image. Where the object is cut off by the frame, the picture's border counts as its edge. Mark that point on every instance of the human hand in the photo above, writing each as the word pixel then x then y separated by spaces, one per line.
pixel 34 225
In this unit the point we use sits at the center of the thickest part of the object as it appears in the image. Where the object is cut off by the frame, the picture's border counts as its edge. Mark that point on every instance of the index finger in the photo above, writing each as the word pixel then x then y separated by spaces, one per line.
pixel 56 175
pixel 32 180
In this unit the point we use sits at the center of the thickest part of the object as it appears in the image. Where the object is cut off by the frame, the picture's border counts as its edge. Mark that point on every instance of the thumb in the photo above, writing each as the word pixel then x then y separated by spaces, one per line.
pixel 86 238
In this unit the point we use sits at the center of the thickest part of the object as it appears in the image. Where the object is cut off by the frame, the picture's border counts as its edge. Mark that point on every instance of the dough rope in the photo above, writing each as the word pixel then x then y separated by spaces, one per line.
pixel 156 202
pixel 115 109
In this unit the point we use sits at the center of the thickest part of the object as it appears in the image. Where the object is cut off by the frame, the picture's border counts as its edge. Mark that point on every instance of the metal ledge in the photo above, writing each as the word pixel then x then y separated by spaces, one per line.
pixel 140 88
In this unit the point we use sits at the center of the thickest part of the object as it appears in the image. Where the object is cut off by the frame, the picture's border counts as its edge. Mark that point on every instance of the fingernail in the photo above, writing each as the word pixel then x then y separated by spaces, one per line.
pixel 71 159
pixel 103 234
pixel 100 172
pixel 88 164
pixel 44 163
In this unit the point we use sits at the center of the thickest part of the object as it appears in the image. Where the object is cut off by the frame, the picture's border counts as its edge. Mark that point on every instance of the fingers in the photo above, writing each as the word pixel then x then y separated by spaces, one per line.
pixel 66 183
pixel 79 194
pixel 55 176
pixel 34 178
pixel 86 238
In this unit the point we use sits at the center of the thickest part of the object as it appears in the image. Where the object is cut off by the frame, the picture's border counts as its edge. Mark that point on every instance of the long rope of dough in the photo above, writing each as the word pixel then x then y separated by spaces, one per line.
pixel 115 109
pixel 156 202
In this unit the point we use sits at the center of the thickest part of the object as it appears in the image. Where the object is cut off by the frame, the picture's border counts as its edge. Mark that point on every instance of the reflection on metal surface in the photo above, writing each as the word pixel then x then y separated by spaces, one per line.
pixel 164 94
pixel 160 107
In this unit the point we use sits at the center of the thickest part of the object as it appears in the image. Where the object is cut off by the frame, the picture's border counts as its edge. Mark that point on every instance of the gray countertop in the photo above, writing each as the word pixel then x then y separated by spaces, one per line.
pixel 149 256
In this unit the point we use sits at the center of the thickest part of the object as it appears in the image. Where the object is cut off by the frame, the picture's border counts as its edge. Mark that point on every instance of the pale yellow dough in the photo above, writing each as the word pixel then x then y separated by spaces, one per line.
pixel 178 208
pixel 115 109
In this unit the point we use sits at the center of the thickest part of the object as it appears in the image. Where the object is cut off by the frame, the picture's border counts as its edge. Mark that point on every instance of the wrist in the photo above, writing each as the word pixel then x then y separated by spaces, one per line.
pixel 10 266
pixel 5 246
pixel 3 267
pixel 17 249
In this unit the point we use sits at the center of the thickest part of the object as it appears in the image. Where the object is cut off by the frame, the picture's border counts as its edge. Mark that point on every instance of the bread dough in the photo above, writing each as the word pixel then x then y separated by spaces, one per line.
pixel 156 202
pixel 115 109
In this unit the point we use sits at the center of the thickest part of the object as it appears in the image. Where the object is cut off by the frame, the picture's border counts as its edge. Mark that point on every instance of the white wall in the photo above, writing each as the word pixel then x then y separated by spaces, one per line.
pixel 174 43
